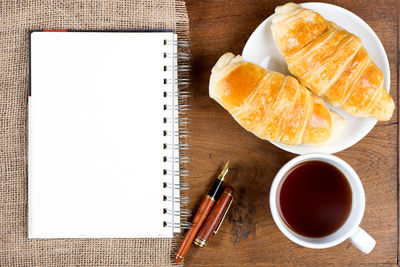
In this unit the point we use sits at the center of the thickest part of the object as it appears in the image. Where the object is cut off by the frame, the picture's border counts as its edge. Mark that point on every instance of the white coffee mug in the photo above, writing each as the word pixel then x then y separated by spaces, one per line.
pixel 350 229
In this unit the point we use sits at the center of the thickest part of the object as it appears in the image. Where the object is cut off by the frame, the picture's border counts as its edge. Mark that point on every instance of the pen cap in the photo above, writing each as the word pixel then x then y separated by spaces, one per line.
pixel 215 218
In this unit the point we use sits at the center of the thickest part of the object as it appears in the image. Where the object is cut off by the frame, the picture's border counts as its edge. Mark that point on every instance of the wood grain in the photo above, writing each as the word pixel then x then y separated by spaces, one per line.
pixel 249 237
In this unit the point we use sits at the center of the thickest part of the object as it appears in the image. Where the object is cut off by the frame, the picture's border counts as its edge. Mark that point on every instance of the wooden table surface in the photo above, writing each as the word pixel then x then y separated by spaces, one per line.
pixel 249 236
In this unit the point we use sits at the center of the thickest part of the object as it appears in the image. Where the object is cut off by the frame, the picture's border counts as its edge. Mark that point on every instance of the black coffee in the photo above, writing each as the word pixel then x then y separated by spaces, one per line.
pixel 314 199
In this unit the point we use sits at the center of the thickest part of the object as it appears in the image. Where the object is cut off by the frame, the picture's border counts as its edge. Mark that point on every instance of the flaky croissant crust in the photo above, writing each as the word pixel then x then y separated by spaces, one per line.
pixel 272 106
pixel 331 62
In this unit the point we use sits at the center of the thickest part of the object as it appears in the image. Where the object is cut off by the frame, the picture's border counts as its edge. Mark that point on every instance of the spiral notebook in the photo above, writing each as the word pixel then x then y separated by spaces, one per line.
pixel 103 156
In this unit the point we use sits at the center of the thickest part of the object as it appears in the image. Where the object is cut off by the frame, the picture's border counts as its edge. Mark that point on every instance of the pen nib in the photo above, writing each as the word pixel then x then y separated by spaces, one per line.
pixel 224 171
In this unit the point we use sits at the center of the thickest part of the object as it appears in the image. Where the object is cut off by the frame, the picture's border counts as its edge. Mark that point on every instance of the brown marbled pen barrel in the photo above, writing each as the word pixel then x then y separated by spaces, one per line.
pixel 201 215
pixel 215 218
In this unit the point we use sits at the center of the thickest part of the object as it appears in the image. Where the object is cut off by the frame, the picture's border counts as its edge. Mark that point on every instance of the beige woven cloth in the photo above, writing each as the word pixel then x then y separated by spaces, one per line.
pixel 17 17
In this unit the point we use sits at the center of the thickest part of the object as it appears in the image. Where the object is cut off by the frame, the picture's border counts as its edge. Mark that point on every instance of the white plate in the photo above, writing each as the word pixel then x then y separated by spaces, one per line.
pixel 261 45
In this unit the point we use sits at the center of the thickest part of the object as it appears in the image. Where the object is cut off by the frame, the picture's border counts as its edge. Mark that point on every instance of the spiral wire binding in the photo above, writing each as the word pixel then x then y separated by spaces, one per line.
pixel 181 55
pixel 182 224
pixel 181 156
pixel 180 213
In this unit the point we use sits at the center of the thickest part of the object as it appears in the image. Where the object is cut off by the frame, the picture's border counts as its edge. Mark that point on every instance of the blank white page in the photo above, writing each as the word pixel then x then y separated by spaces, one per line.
pixel 96 134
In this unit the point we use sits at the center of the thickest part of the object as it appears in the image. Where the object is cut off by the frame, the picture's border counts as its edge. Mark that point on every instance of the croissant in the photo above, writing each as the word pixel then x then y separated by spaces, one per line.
pixel 331 62
pixel 271 105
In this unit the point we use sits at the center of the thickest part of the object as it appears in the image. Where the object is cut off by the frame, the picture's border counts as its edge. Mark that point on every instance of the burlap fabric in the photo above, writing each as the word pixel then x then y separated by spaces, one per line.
pixel 16 19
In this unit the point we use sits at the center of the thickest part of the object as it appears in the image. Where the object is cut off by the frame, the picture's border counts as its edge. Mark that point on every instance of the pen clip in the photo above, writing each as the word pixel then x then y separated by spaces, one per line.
pixel 223 217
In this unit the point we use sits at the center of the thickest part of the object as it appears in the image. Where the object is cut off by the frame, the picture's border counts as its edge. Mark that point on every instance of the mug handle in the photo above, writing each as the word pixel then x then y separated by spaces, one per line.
pixel 363 241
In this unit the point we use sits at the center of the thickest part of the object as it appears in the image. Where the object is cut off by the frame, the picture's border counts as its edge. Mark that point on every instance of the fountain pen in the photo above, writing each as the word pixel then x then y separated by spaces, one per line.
pixel 201 214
